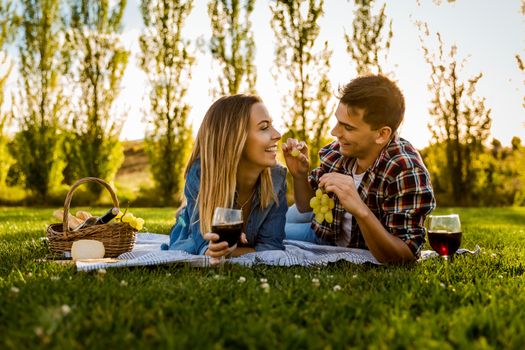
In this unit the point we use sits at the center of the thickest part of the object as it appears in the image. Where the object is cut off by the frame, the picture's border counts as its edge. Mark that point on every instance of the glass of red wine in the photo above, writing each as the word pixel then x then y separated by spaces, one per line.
pixel 227 223
pixel 444 234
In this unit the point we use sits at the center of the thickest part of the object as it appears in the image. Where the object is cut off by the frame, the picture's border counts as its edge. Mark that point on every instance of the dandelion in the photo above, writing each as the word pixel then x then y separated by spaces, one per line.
pixel 263 280
pixel 14 290
pixel 101 271
pixel 242 279
pixel 123 283
pixel 297 277
pixel 337 288
pixel 265 286
pixel 65 309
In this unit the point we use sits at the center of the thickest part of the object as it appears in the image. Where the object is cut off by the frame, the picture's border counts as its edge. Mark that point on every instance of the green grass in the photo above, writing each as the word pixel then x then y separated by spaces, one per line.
pixel 475 302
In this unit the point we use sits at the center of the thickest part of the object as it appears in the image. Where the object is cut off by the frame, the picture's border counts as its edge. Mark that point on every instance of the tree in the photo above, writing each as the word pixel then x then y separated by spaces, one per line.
pixel 41 104
pixel 308 100
pixel 232 45
pixel 461 120
pixel 369 40
pixel 167 62
pixel 8 25
pixel 96 66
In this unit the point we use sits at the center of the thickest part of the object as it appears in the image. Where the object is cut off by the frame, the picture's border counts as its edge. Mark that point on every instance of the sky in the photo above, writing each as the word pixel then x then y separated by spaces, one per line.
pixel 488 34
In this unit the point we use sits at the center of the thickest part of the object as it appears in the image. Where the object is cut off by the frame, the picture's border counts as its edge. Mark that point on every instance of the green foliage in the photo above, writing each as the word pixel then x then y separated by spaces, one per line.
pixel 368 41
pixel 167 61
pixel 232 45
pixel 97 61
pixel 499 180
pixel 476 302
pixel 41 104
pixel 9 22
pixel 308 101
pixel 461 120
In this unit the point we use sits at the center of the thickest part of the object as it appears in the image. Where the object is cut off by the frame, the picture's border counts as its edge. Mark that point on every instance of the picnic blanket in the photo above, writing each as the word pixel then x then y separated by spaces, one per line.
pixel 147 252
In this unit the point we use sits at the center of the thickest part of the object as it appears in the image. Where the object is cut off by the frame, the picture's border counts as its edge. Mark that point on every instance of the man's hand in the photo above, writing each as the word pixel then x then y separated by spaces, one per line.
pixel 343 186
pixel 298 165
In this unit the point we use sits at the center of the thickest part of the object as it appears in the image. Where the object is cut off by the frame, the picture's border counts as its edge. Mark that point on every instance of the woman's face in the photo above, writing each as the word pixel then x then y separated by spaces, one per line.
pixel 261 145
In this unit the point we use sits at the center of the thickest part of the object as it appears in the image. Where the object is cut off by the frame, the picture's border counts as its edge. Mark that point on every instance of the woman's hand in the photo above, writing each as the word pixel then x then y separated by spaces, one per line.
pixel 298 165
pixel 217 249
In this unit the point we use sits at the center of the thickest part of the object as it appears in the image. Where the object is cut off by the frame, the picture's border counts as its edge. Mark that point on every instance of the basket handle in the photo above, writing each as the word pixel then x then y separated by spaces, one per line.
pixel 69 196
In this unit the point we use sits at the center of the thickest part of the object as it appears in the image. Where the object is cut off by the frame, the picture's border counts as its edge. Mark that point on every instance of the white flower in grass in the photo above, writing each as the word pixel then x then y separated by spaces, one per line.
pixel 330 276
pixel 54 278
pixel 168 274
pixel 242 279
pixel 15 290
pixel 500 276
pixel 337 288
pixel 494 255
pixel 29 274
pixel 354 276
pixel 315 282
pixel 442 285
pixel 101 271
pixel 297 277
pixel 216 277
pixel 123 283
pixel 265 286
pixel 263 280
pixel 65 309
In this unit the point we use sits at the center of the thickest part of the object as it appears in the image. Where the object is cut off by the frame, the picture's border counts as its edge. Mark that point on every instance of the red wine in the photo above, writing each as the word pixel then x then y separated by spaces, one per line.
pixel 108 216
pixel 228 232
pixel 444 243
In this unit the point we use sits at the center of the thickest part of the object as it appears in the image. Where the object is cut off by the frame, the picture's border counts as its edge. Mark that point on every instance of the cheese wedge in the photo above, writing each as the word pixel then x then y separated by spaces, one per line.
pixel 87 249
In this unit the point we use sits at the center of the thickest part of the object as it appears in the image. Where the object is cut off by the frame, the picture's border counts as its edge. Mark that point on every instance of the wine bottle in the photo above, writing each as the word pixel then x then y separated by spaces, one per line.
pixel 108 216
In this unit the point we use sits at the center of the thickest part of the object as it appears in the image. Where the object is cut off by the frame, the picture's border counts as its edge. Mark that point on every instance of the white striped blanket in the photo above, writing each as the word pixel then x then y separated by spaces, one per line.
pixel 147 252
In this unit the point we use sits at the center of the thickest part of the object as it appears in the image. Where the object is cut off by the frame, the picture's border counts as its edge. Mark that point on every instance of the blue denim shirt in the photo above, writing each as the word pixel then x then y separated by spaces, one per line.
pixel 264 229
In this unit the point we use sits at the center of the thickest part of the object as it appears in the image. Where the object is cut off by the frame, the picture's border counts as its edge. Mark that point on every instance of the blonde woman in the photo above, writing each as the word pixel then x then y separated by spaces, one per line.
pixel 233 165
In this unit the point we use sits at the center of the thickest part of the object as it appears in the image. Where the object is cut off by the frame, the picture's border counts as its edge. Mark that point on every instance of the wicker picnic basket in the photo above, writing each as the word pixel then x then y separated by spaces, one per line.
pixel 117 237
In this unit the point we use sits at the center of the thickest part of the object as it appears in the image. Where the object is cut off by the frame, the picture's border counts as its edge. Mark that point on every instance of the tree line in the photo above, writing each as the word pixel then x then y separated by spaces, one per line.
pixel 71 62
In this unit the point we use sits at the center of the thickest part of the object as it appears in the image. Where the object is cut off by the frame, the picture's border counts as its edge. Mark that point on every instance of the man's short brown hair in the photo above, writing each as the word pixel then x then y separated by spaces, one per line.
pixel 381 99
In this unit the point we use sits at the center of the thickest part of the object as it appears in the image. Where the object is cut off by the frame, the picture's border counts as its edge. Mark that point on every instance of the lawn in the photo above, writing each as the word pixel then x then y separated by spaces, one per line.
pixel 474 302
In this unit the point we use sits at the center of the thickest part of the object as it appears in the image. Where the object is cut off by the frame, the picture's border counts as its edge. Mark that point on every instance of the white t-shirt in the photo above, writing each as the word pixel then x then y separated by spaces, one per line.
pixel 344 239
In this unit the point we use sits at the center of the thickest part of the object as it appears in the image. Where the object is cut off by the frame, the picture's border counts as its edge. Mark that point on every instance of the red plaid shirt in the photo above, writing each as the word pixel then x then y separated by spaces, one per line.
pixel 396 188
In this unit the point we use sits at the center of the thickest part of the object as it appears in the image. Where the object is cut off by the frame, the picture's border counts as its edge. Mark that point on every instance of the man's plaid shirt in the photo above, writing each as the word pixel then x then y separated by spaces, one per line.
pixel 396 188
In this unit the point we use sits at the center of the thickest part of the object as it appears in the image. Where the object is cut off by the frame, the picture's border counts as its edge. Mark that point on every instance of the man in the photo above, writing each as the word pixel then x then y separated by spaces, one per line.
pixel 380 185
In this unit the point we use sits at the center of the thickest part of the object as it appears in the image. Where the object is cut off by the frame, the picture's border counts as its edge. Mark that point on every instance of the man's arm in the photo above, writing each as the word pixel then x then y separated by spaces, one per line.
pixel 384 246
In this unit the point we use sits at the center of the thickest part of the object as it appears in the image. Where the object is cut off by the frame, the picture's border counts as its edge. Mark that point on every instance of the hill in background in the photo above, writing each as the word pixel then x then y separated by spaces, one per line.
pixel 134 173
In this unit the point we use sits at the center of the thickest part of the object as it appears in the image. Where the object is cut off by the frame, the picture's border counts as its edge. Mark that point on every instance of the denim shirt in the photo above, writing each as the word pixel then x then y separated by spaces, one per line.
pixel 264 229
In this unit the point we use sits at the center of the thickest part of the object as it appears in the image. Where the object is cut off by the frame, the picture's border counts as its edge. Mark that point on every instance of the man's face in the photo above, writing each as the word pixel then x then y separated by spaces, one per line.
pixel 356 138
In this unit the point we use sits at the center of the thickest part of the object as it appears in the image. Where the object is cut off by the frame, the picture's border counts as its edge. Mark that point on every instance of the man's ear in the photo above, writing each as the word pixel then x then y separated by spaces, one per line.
pixel 383 135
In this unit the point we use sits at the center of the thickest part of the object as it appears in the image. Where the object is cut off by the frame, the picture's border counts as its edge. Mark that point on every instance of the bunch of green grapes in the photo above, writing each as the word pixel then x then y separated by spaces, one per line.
pixel 322 206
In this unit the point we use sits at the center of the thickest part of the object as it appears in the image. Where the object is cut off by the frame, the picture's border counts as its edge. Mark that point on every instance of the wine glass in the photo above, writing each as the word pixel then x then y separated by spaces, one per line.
pixel 444 234
pixel 227 223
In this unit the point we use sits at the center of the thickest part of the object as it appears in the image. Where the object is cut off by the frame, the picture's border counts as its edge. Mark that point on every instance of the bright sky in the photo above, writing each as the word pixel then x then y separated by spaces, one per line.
pixel 489 33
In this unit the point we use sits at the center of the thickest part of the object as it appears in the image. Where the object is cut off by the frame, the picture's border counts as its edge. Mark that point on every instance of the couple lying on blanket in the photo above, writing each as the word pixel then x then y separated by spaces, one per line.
pixel 380 188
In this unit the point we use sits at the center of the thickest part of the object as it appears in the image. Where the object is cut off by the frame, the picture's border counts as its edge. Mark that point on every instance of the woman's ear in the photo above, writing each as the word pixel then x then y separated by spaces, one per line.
pixel 383 135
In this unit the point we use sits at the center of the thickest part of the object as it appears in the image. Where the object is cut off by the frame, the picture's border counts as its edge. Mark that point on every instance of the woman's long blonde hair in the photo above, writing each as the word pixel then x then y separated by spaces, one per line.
pixel 220 142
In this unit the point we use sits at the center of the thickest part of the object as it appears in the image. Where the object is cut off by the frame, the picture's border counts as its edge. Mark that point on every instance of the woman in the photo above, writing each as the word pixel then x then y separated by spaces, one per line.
pixel 233 165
